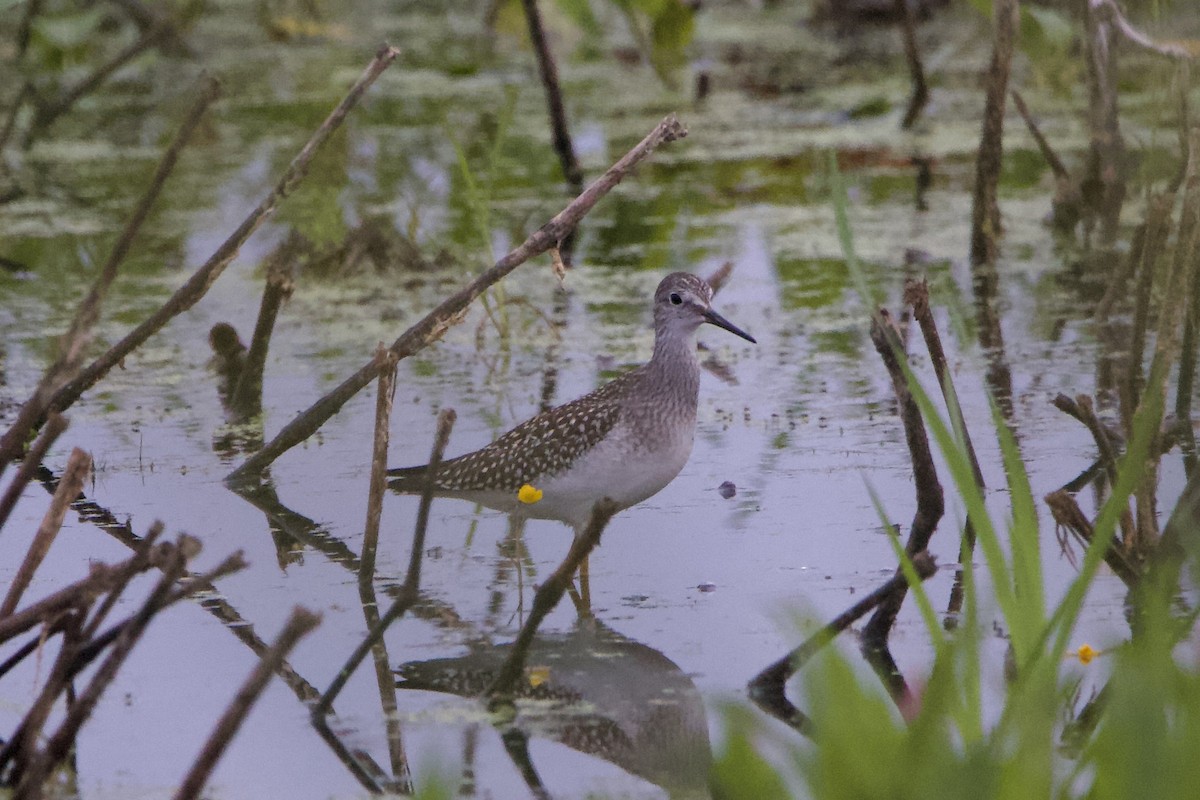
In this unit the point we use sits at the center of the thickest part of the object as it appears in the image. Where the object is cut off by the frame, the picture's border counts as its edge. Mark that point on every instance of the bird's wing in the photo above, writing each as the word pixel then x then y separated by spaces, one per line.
pixel 543 445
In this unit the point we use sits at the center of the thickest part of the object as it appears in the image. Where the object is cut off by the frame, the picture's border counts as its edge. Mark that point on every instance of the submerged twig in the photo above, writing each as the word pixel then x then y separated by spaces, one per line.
pixel 767 687
pixel 431 327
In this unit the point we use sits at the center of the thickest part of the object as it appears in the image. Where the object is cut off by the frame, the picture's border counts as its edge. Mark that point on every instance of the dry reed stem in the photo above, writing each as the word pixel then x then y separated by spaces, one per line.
pixel 60 742
pixel 379 455
pixel 75 341
pixel 929 497
pixel 1171 318
pixel 546 598
pixel 916 294
pixel 1158 231
pixel 78 467
pixel 1067 205
pixel 246 397
pixel 1105 168
pixel 100 579
pixel 408 592
pixel 445 424
pixel 558 116
pixel 1069 515
pixel 190 586
pixel 916 69
pixel 431 327
pixel 1111 12
pixel 55 425
pixel 203 278
pixel 985 211
pixel 298 624
pixel 142 559
pixel 48 113
pixel 21 749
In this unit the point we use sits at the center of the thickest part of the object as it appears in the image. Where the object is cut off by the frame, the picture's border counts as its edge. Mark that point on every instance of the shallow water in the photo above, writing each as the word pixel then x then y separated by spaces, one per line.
pixel 692 593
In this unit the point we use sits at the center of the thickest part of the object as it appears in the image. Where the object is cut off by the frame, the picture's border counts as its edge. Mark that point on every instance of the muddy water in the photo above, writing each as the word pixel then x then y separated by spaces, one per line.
pixel 691 592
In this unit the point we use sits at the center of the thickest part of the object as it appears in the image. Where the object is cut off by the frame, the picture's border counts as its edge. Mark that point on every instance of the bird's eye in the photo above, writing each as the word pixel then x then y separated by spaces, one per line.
pixel 675 299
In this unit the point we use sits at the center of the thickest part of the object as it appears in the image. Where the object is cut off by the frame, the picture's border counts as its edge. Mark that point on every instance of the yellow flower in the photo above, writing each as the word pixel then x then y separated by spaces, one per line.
pixel 537 676
pixel 1086 653
pixel 529 494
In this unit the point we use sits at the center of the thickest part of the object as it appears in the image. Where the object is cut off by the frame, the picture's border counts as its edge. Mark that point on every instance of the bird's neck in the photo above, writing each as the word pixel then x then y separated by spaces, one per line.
pixel 675 363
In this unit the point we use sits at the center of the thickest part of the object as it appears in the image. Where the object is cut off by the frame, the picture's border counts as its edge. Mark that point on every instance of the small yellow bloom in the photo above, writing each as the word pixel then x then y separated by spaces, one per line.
pixel 529 494
pixel 537 676
pixel 1086 653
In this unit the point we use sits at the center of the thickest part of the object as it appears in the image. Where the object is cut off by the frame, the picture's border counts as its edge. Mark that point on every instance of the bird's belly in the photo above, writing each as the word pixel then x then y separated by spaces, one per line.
pixel 617 469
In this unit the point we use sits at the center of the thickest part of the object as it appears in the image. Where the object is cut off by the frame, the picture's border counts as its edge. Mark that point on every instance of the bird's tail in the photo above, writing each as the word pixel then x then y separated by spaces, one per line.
pixel 407 480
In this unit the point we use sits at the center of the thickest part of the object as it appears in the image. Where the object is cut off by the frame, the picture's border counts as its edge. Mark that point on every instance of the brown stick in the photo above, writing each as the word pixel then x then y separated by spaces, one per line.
pixel 1109 10
pixel 143 557
pixel 14 111
pixel 766 689
pixel 47 114
pixel 1056 165
pixel 33 413
pixel 60 742
pixel 449 311
pixel 554 103
pixel 76 473
pixel 547 597
pixel 985 211
pixel 190 586
pixel 916 69
pixel 299 623
pixel 385 679
pixel 202 279
pixel 379 455
pixel 1105 166
pixel 55 425
pixel 409 592
pixel 930 498
pixel 99 580
pixel 246 398
pixel 1171 317
pixel 445 424
pixel 1068 514
pixel 916 293
pixel 21 749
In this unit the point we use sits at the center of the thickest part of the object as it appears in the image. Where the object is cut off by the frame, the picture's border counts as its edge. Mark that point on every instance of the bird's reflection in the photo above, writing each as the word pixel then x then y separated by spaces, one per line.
pixel 599 693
